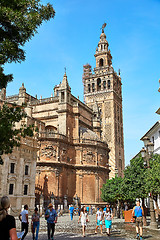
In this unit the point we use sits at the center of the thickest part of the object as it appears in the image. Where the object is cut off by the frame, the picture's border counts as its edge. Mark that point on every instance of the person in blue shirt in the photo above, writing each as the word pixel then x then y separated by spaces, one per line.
pixel 138 213
pixel 87 208
pixel 51 217
pixel 71 210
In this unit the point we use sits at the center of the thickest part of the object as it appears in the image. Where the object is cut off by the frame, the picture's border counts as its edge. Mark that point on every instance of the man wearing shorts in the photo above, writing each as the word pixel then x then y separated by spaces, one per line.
pixel 138 213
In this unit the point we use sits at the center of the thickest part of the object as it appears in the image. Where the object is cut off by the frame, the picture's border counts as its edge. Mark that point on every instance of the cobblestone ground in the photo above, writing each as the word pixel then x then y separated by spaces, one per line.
pixel 67 229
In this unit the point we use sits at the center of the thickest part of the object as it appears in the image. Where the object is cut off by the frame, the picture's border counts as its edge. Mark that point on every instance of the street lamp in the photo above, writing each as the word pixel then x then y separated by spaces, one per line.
pixel 146 154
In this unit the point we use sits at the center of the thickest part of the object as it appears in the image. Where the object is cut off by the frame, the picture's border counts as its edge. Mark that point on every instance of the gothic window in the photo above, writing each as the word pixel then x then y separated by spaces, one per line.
pixel 25 189
pixel 101 62
pixel 109 84
pixel 98 84
pixel 62 96
pixel 104 84
pixel 26 169
pixel 11 188
pixel 89 88
pixel 12 167
pixel 93 87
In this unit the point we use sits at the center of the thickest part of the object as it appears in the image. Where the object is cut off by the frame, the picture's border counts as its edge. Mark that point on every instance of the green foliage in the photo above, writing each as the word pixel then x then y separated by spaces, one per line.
pixel 112 190
pixel 9 135
pixel 19 21
pixel 153 176
pixel 132 186
pixel 134 180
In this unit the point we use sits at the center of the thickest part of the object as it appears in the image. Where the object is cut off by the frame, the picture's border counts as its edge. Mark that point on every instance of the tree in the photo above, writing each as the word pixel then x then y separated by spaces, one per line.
pixel 19 21
pixel 112 192
pixel 9 134
pixel 134 179
pixel 134 182
pixel 153 178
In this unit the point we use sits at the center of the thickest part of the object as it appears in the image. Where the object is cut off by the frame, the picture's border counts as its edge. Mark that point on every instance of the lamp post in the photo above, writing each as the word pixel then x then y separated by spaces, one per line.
pixel 146 154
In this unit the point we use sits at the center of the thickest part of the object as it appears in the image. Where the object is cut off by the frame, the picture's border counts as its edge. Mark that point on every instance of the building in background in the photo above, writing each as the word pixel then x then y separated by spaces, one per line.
pixel 103 88
pixel 77 141
pixel 17 174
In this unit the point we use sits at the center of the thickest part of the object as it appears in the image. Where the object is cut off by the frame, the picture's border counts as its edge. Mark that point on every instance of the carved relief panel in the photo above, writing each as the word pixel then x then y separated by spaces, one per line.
pixel 48 151
pixel 107 109
pixel 108 132
pixel 88 155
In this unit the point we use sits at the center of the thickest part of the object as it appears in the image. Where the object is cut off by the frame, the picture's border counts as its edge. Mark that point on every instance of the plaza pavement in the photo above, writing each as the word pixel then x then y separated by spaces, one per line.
pixel 67 229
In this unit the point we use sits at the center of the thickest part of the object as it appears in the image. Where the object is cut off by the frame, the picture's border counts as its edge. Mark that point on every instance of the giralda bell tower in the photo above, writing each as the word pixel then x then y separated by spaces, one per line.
pixel 104 88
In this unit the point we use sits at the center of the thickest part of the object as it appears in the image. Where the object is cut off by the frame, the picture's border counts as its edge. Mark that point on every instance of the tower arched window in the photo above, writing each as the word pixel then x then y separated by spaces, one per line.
pixel 62 96
pixel 98 84
pixel 104 84
pixel 109 84
pixel 93 87
pixel 89 88
pixel 101 62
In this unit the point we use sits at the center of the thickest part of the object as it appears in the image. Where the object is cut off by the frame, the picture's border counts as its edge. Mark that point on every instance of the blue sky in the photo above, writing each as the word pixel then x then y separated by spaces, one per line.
pixel 70 40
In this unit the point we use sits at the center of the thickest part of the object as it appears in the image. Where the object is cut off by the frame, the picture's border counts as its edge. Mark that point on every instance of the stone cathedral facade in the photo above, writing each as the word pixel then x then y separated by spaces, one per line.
pixel 79 144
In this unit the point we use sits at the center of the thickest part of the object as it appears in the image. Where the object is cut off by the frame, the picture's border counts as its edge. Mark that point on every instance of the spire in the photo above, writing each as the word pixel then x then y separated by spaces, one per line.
pixel 103 55
pixel 103 44
pixel 64 83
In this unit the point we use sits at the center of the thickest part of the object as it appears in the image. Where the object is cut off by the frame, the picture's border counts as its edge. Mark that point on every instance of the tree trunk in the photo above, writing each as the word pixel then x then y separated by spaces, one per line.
pixel 118 209
pixel 114 210
pixel 145 213
pixel 158 210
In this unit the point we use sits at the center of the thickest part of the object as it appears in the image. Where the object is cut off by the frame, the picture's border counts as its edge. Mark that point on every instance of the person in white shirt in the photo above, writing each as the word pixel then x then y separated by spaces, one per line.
pixel 84 219
pixel 99 218
pixel 108 216
pixel 23 217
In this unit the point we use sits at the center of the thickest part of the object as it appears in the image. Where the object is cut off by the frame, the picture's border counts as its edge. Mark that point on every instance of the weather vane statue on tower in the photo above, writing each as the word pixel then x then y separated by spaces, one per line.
pixel 103 26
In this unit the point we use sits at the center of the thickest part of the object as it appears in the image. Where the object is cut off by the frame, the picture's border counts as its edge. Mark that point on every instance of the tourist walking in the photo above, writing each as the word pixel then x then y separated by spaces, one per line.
pixel 108 216
pixel 138 213
pixel 107 206
pixel 35 223
pixel 51 217
pixel 71 210
pixel 7 222
pixel 87 208
pixel 84 219
pixel 91 210
pixel 99 218
pixel 79 210
pixel 23 217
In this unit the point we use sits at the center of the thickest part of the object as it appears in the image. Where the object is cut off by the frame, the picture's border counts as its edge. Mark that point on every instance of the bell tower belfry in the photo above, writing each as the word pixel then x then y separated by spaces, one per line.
pixel 104 88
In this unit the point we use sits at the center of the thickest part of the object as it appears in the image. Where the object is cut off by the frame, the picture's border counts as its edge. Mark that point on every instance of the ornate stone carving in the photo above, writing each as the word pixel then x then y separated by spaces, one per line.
pixel 107 109
pixel 108 132
pixel 48 151
pixel 88 156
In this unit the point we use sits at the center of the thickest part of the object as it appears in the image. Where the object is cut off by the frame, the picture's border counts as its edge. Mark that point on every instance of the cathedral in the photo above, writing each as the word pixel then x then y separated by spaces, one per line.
pixel 80 144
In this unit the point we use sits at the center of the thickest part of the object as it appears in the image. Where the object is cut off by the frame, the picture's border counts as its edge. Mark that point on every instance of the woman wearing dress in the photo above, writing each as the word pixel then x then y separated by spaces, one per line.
pixel 84 219
pixel 108 216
